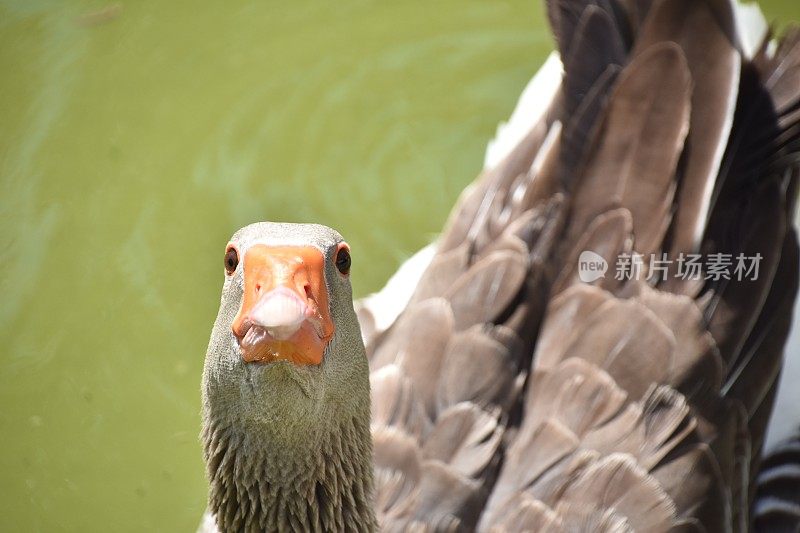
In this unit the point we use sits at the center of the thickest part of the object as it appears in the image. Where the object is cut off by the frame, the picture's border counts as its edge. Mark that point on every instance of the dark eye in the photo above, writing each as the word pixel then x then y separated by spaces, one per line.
pixel 343 260
pixel 231 260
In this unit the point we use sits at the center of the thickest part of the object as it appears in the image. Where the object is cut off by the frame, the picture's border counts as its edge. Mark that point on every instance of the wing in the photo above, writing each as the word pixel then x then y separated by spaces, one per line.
pixel 511 395
pixel 648 399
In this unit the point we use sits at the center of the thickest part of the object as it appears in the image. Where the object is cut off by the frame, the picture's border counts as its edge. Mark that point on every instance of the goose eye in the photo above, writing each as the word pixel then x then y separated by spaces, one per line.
pixel 231 260
pixel 343 260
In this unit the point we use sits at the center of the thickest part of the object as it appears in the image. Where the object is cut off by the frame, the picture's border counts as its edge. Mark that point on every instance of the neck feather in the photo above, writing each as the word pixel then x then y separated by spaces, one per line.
pixel 258 483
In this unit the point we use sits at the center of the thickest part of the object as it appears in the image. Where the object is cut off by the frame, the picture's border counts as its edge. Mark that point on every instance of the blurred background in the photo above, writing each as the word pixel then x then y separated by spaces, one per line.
pixel 136 137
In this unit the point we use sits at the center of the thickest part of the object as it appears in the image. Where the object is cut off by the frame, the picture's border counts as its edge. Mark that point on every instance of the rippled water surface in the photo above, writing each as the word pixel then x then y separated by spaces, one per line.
pixel 135 137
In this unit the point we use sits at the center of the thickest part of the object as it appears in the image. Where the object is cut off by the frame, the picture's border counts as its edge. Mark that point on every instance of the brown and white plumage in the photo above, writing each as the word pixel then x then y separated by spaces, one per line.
pixel 777 506
pixel 508 395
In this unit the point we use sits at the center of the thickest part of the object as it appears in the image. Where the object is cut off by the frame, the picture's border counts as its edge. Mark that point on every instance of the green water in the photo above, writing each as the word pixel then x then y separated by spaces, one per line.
pixel 136 137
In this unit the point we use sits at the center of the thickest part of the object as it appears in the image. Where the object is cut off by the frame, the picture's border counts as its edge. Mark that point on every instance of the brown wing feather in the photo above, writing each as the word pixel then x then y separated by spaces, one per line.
pixel 703 30
pixel 633 161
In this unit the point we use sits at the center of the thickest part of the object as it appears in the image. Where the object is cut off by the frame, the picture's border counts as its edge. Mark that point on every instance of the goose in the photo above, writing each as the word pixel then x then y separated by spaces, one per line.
pixel 511 377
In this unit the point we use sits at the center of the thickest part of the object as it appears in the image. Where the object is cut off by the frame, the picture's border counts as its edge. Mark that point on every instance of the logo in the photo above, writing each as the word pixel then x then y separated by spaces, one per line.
pixel 591 266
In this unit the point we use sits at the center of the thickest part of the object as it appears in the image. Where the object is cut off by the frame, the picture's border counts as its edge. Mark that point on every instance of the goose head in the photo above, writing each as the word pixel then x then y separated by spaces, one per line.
pixel 286 342
pixel 286 380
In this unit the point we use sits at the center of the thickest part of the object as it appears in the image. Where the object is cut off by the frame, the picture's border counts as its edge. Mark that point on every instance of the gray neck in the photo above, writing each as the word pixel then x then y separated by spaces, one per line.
pixel 258 483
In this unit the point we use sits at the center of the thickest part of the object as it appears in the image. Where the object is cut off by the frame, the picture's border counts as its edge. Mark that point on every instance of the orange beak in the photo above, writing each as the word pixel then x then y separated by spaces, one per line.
pixel 284 314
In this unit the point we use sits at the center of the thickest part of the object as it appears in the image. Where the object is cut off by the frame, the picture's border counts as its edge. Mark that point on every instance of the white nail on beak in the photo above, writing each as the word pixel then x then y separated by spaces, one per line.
pixel 281 312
